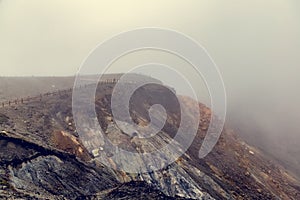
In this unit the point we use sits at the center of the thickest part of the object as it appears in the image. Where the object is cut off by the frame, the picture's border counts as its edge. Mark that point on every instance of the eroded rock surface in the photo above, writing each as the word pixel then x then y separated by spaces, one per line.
pixel 43 157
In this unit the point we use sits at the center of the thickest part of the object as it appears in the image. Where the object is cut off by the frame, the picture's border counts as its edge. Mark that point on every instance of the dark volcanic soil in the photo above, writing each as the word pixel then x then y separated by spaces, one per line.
pixel 42 156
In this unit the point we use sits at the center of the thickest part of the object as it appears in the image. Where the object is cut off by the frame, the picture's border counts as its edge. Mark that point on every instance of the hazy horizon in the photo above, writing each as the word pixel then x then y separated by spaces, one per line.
pixel 255 44
pixel 54 37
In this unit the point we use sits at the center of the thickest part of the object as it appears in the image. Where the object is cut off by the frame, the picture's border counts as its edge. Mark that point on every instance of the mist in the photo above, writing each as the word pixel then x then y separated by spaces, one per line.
pixel 255 44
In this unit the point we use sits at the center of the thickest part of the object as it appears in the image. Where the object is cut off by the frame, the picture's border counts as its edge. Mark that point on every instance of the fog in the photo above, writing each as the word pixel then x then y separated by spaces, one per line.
pixel 256 45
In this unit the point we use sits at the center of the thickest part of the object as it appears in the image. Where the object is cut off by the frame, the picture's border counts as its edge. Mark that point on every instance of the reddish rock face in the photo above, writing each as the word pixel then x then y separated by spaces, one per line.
pixel 69 143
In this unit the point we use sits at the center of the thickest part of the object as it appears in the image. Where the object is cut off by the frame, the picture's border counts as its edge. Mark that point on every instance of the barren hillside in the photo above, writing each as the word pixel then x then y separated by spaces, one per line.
pixel 43 157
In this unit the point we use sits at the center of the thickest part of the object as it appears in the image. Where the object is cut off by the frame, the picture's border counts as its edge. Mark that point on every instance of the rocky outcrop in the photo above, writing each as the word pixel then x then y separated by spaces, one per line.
pixel 42 157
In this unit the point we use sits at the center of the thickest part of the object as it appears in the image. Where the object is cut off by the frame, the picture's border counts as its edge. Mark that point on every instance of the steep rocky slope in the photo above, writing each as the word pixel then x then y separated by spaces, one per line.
pixel 43 157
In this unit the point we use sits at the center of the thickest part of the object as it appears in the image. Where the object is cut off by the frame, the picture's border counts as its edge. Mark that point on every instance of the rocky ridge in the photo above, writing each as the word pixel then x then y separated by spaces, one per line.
pixel 43 157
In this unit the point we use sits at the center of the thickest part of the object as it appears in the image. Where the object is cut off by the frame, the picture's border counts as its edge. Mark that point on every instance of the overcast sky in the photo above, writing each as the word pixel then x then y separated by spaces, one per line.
pixel 53 37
